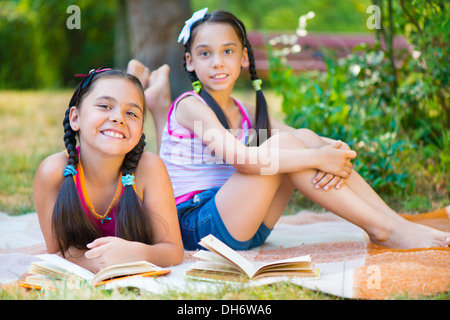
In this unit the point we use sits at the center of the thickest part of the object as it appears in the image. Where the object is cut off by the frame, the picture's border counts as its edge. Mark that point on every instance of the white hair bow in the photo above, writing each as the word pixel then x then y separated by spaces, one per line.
pixel 186 32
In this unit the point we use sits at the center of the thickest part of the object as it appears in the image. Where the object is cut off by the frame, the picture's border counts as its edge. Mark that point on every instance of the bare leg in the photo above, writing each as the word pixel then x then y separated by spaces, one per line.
pixel 357 184
pixel 255 199
pixel 253 196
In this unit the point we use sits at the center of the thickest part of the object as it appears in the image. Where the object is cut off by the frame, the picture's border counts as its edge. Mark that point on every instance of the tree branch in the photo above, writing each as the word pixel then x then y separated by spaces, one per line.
pixel 410 17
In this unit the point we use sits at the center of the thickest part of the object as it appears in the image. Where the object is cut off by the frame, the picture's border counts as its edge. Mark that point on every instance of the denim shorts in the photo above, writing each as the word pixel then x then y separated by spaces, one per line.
pixel 199 217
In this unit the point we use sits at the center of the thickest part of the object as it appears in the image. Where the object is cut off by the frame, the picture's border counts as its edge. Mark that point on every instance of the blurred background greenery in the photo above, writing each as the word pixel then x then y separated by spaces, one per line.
pixel 389 102
pixel 37 50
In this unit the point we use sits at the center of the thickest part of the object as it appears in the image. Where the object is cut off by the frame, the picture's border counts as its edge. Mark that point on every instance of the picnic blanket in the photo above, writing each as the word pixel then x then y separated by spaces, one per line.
pixel 351 267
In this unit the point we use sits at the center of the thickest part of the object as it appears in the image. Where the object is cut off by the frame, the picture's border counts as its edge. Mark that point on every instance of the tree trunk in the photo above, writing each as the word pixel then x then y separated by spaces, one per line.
pixel 154 26
pixel 121 41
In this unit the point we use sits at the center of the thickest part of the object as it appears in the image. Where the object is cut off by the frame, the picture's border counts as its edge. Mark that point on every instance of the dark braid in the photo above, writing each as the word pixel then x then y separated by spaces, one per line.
pixel 262 114
pixel 69 222
pixel 132 158
pixel 70 140
pixel 131 220
pixel 262 125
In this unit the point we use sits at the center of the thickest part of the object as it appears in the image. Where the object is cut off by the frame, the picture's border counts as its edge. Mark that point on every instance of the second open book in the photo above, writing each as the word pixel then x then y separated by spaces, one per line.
pixel 222 263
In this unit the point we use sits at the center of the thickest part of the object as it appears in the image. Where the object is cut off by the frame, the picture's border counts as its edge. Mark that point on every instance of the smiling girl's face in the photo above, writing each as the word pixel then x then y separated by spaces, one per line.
pixel 217 56
pixel 110 118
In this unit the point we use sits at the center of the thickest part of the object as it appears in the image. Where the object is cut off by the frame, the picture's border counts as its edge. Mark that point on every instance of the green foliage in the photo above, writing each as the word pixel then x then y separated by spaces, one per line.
pixel 340 105
pixel 282 15
pixel 396 119
pixel 37 49
pixel 41 52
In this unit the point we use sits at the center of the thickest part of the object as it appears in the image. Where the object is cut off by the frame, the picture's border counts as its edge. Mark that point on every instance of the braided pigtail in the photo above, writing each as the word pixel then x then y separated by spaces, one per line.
pixel 131 220
pixel 262 114
pixel 70 224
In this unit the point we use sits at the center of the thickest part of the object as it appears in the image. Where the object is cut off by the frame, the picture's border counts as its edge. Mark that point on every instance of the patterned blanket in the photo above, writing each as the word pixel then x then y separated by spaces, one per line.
pixel 351 267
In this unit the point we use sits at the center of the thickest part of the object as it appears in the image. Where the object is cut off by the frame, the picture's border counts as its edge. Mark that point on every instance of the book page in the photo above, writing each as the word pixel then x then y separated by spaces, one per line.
pixel 67 265
pixel 215 245
pixel 125 269
pixel 202 266
pixel 294 260
pixel 212 256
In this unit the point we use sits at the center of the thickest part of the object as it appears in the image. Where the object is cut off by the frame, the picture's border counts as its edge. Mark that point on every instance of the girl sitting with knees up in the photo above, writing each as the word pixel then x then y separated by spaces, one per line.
pixel 236 186
pixel 107 201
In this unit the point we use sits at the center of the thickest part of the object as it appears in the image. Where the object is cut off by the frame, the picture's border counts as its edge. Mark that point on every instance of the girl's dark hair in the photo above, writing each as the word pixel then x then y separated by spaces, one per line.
pixel 262 115
pixel 70 224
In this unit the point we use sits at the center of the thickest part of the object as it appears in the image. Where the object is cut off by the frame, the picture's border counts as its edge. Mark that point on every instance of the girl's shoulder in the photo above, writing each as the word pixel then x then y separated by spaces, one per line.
pixel 191 108
pixel 51 170
pixel 190 100
pixel 149 165
pixel 150 173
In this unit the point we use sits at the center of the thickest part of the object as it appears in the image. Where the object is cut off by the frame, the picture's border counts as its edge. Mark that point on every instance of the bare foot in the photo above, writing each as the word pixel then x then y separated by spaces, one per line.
pixel 407 235
pixel 137 69
pixel 157 93
pixel 156 85
pixel 157 96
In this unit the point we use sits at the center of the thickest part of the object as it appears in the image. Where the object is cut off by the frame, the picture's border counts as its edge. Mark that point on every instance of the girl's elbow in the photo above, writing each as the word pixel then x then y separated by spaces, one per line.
pixel 177 255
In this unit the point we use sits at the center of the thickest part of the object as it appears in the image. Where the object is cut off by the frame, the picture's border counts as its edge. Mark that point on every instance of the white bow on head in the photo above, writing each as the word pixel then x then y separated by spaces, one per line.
pixel 186 32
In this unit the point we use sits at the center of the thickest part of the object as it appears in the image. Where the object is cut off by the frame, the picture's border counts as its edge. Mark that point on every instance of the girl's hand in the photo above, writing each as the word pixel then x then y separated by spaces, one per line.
pixel 326 180
pixel 107 251
pixel 335 162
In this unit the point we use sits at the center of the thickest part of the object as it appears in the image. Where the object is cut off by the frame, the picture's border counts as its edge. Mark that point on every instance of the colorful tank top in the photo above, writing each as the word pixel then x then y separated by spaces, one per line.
pixel 106 222
pixel 192 166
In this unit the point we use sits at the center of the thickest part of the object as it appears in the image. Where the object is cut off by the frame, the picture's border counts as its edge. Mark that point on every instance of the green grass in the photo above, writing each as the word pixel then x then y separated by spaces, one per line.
pixel 279 291
pixel 31 130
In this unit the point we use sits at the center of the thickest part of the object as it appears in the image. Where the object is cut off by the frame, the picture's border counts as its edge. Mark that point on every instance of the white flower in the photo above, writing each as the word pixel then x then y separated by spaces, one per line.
pixel 296 48
pixel 416 54
pixel 186 32
pixel 301 30
pixel 310 15
pixel 355 69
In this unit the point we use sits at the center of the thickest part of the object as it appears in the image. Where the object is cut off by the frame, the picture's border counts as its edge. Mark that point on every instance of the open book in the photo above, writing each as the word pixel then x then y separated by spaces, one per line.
pixel 221 263
pixel 52 270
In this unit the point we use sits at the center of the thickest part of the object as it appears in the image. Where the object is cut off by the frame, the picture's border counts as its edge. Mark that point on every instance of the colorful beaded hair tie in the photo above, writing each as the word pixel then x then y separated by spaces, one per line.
pixel 257 84
pixel 197 86
pixel 128 180
pixel 69 171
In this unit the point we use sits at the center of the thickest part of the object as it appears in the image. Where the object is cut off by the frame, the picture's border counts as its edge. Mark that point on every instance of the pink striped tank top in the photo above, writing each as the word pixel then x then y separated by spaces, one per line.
pixel 192 166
